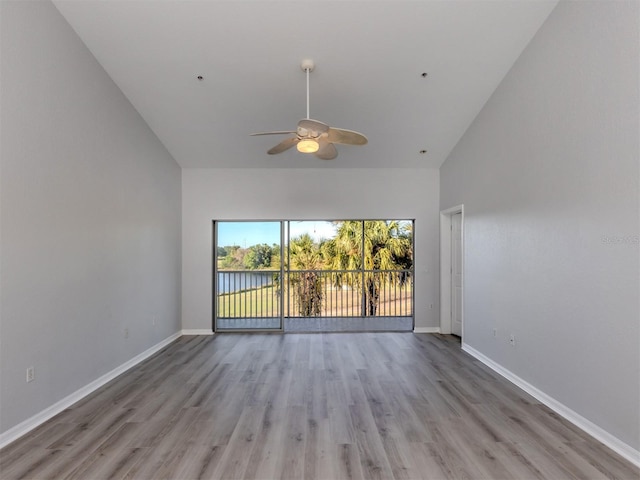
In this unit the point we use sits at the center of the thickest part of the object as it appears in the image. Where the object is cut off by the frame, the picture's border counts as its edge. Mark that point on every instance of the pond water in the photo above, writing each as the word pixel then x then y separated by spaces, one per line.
pixel 234 281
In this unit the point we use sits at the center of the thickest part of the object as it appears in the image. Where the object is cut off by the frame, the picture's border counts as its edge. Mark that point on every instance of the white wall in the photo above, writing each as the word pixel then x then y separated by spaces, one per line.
pixel 298 194
pixel 90 209
pixel 548 175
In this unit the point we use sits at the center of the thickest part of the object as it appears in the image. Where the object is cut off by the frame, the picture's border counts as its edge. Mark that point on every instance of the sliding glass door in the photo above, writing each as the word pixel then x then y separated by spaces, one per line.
pixel 247 276
pixel 341 275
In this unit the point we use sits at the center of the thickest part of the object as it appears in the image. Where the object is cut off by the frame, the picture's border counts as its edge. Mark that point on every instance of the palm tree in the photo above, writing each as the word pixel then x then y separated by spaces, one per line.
pixel 376 251
pixel 304 256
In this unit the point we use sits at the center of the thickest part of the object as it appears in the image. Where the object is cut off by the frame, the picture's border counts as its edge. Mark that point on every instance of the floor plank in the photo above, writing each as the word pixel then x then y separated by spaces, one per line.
pixel 355 406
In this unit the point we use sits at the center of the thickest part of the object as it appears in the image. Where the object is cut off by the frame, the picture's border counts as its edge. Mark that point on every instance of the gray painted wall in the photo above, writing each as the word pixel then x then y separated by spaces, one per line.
pixel 90 208
pixel 301 194
pixel 548 175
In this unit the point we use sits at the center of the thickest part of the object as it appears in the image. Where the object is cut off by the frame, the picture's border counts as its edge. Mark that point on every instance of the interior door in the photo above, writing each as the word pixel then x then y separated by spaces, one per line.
pixel 456 274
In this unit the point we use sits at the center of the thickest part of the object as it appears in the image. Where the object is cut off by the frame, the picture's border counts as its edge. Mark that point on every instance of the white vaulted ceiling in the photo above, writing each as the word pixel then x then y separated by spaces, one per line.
pixel 369 55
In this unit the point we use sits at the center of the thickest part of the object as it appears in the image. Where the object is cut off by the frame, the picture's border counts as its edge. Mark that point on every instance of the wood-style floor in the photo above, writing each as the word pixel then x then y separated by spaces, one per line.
pixel 310 406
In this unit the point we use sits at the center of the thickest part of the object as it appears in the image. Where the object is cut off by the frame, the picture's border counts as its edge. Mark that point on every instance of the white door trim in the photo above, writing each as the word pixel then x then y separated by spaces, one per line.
pixel 445 268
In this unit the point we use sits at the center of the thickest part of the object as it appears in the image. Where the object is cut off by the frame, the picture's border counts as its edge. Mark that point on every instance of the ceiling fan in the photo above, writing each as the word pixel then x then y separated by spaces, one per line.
pixel 312 136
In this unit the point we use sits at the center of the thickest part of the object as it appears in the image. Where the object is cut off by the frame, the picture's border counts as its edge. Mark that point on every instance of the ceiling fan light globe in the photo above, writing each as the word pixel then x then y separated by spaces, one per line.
pixel 308 145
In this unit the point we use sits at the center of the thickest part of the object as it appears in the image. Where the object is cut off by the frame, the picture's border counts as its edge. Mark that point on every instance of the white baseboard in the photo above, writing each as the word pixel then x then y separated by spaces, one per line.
pixel 578 420
pixel 38 419
pixel 426 330
pixel 198 331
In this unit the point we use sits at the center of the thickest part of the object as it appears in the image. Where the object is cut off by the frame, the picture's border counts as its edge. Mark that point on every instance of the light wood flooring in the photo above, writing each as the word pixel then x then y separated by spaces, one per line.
pixel 310 406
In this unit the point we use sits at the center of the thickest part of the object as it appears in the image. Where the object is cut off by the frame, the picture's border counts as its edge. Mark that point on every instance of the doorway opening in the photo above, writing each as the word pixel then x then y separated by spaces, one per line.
pixel 452 271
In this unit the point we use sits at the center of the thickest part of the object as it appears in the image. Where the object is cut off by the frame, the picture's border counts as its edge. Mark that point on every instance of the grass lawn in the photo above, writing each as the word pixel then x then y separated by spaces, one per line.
pixel 265 302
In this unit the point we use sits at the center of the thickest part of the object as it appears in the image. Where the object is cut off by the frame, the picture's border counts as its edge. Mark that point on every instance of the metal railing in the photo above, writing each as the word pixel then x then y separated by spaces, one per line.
pixel 314 293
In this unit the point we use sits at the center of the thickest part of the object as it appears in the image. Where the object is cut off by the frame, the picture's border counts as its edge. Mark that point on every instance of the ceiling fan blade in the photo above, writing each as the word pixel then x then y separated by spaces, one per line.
pixel 313 125
pixel 346 137
pixel 327 151
pixel 286 144
pixel 272 133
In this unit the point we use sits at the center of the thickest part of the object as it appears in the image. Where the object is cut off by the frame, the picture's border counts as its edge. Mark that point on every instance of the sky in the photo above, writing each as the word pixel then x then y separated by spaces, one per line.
pixel 246 234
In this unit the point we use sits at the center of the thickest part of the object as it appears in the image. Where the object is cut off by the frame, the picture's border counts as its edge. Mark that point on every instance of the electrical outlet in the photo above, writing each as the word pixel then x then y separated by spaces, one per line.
pixel 126 333
pixel 512 340
pixel 31 374
pixel 495 333
pixel 430 305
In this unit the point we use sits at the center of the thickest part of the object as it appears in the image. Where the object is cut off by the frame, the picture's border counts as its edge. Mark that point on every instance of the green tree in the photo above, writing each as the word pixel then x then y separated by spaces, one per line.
pixel 383 249
pixel 258 256
pixel 275 256
pixel 305 278
pixel 234 258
